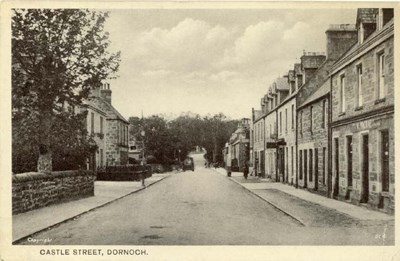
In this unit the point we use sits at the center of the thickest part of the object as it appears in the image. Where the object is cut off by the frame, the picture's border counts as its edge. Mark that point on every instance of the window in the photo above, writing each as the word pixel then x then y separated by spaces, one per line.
pixel 301 123
pixel 384 16
pixel 292 116
pixel 342 94
pixel 359 94
pixel 387 14
pixel 323 124
pixel 299 80
pixel 262 130
pixel 286 120
pixel 101 124
pixel 311 119
pixel 280 122
pixel 381 75
pixel 92 122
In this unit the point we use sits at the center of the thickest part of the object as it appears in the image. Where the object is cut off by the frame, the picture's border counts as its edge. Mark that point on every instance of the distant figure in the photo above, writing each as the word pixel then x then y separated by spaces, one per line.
pixel 245 170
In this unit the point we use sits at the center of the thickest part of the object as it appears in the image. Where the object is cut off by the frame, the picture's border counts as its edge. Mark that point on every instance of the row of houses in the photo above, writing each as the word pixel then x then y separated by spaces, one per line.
pixel 327 126
pixel 108 129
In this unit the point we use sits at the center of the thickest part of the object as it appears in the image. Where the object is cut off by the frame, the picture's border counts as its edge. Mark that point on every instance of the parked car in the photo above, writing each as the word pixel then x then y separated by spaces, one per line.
pixel 188 163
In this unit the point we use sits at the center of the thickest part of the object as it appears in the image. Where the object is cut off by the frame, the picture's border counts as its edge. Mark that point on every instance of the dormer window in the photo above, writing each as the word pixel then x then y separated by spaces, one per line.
pixel 384 16
pixel 299 80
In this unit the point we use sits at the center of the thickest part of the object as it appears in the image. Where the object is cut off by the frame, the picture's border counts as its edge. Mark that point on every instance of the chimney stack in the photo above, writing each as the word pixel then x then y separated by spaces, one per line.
pixel 310 62
pixel 339 39
pixel 106 92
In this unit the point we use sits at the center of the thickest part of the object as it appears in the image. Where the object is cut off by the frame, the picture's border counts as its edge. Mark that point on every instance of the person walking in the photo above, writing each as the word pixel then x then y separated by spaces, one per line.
pixel 228 165
pixel 245 169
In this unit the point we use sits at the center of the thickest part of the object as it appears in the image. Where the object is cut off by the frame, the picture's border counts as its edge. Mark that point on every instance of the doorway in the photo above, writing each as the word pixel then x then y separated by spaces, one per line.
pixel 262 164
pixel 349 141
pixel 336 187
pixel 365 169
pixel 305 168
pixel 385 160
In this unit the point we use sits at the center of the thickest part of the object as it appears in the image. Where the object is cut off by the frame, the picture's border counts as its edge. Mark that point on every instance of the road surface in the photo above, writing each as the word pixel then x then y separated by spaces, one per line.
pixel 199 208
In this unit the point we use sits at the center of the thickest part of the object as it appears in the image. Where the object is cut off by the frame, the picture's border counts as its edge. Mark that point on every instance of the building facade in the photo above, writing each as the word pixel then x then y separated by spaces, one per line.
pixel 363 114
pixel 258 141
pixel 117 133
pixel 239 146
pixel 96 126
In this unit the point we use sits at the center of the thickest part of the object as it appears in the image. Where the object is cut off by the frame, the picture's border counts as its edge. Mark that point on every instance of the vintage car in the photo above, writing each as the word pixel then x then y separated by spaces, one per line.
pixel 188 163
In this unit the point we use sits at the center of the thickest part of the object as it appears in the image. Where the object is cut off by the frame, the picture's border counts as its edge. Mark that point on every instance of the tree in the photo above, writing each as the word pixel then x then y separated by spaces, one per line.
pixel 58 55
pixel 174 138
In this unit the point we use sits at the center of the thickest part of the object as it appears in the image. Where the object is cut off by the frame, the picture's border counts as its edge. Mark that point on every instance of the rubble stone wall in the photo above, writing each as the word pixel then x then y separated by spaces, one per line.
pixel 34 190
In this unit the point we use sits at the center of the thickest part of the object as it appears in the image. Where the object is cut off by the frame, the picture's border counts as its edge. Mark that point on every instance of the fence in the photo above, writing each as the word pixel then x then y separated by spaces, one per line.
pixel 124 172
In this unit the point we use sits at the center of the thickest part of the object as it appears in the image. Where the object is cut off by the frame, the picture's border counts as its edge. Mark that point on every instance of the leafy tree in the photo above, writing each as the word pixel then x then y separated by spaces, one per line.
pixel 170 139
pixel 58 55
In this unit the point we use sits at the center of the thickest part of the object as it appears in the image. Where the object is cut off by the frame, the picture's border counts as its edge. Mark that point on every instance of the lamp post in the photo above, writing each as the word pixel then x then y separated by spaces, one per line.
pixel 143 134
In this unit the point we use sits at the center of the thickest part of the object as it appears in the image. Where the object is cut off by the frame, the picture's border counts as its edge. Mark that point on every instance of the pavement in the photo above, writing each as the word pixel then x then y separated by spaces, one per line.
pixel 105 192
pixel 306 207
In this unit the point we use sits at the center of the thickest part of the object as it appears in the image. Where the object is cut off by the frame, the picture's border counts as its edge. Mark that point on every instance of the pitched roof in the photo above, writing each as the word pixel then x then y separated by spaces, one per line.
pixel 282 84
pixel 321 91
pixel 297 68
pixel 114 115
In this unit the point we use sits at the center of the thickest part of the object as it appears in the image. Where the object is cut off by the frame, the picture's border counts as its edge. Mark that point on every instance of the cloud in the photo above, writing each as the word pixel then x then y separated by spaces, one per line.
pixel 192 45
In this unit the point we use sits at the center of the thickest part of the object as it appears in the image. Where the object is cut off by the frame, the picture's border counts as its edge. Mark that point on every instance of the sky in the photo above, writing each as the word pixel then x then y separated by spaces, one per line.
pixel 209 60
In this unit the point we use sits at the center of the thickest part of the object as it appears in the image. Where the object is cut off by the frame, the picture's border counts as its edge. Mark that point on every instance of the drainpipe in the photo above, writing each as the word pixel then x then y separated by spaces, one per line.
pixel 330 141
pixel 276 142
pixel 297 149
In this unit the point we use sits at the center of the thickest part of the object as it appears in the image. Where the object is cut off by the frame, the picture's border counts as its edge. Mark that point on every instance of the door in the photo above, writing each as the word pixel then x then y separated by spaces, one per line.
pixel 305 168
pixel 336 188
pixel 349 140
pixel 385 160
pixel 262 164
pixel 365 169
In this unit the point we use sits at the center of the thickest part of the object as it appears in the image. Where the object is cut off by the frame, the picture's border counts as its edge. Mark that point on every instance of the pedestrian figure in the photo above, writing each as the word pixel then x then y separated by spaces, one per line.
pixel 245 170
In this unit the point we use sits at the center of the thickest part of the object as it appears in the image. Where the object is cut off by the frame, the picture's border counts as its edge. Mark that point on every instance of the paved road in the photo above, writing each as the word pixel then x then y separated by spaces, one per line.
pixel 199 208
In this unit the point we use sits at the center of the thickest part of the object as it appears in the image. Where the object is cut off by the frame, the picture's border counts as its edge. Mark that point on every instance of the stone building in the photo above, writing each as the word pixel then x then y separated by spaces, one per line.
pixel 116 134
pixel 362 125
pixel 281 89
pixel 96 126
pixel 312 109
pixel 286 118
pixel 239 145
pixel 258 140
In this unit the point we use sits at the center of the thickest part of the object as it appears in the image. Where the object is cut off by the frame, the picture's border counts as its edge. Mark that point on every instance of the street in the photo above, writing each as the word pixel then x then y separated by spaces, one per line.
pixel 205 208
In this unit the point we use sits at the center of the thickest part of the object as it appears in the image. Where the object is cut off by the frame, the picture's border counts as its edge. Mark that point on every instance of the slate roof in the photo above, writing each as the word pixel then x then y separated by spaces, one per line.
pixel 282 84
pixel 366 15
pixel 321 91
pixel 297 68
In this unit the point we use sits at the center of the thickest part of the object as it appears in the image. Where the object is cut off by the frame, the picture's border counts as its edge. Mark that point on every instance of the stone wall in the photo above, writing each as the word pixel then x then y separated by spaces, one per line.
pixel 370 101
pixel 35 190
pixel 312 138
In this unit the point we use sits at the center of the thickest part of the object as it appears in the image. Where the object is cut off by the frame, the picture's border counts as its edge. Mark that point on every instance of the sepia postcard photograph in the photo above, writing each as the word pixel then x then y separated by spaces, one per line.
pixel 198 131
